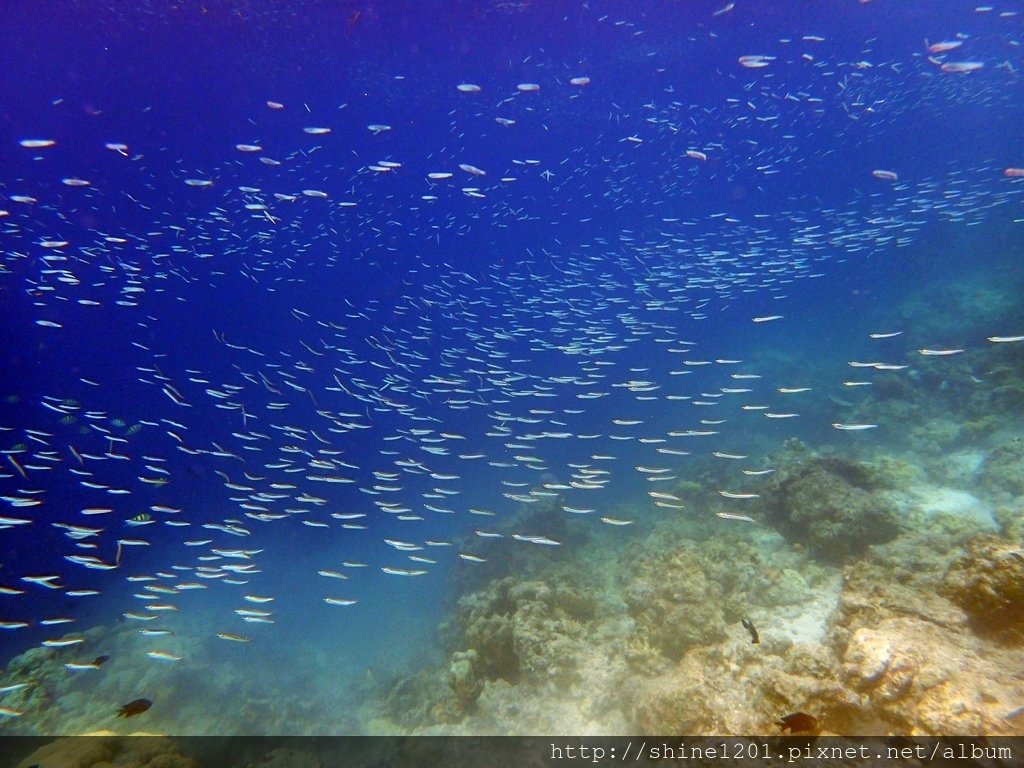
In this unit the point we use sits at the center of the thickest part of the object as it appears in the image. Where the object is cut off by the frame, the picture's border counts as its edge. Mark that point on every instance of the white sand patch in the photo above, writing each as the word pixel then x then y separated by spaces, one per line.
pixel 935 500
pixel 806 622
pixel 965 465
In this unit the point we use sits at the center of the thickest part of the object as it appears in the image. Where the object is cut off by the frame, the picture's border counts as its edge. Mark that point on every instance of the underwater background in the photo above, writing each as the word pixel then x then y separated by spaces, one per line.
pixel 511 367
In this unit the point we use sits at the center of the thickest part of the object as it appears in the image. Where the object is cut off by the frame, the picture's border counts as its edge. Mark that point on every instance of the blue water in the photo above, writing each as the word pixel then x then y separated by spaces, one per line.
pixel 364 312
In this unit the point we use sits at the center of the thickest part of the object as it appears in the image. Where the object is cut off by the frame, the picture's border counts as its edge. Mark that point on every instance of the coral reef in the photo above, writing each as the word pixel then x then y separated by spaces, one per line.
pixel 987 582
pixel 583 649
pixel 866 607
pixel 1003 469
pixel 512 636
pixel 736 688
pixel 106 748
pixel 675 604
pixel 909 657
pixel 831 506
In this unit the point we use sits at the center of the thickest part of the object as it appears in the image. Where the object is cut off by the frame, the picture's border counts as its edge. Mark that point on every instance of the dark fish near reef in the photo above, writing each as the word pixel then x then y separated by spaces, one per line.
pixel 799 722
pixel 749 626
pixel 100 660
pixel 133 708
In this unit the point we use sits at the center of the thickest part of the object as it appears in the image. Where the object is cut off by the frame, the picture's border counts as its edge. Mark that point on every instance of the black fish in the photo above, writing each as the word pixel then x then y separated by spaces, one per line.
pixel 100 660
pixel 799 722
pixel 133 708
pixel 749 626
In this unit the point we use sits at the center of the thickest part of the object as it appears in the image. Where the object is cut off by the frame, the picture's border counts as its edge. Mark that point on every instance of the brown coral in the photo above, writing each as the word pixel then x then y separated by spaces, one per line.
pixel 987 582
pixel 831 506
